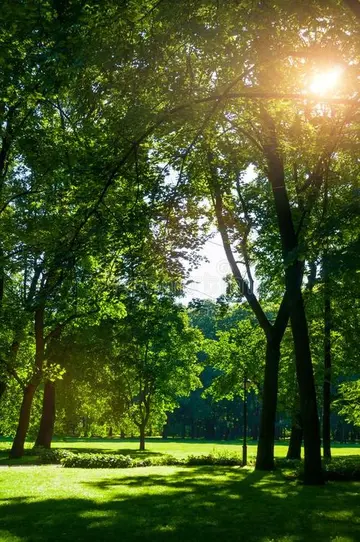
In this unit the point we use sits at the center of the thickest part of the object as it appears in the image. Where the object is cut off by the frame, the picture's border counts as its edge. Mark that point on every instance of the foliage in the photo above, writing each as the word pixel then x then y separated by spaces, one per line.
pixel 70 459
pixel 343 468
pixel 349 401
pixel 156 358
pixel 238 354
pixel 96 461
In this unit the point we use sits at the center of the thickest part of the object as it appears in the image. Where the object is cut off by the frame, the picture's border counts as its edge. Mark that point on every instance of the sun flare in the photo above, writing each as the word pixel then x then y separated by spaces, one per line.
pixel 324 82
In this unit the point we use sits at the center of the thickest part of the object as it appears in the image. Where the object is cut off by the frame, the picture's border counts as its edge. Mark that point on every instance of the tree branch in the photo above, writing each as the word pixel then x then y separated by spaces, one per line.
pixel 243 286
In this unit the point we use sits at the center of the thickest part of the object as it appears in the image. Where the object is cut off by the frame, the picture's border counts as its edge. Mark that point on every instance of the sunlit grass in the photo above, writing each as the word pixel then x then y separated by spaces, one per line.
pixel 176 448
pixel 172 504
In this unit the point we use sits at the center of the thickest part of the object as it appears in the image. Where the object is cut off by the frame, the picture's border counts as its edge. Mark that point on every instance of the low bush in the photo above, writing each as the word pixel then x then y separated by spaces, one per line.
pixel 216 458
pixel 70 459
pixel 342 468
pixel 48 457
pixel 158 461
pixel 345 468
pixel 97 461
pixel 339 468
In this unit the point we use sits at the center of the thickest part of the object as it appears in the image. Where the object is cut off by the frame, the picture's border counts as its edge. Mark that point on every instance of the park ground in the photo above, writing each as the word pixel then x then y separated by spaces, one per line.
pixel 172 504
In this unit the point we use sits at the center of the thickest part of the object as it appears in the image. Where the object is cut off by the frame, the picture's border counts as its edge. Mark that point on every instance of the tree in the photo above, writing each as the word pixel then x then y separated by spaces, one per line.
pixel 156 359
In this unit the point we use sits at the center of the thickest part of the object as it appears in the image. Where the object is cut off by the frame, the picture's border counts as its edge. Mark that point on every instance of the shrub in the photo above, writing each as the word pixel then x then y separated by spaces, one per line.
pixel 105 461
pixel 97 461
pixel 158 461
pixel 337 469
pixel 216 458
pixel 48 457
pixel 342 468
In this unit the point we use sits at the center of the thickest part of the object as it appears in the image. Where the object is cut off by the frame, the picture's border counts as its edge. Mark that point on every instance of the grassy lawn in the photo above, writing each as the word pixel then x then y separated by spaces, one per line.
pixel 157 446
pixel 172 504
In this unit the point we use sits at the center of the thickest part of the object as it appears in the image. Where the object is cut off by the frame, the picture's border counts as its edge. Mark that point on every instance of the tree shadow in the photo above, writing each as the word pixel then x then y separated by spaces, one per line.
pixel 187 504
pixel 5 461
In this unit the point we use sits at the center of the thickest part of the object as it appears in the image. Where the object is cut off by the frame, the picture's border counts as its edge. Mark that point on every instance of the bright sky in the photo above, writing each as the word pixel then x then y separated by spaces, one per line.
pixel 323 83
pixel 208 278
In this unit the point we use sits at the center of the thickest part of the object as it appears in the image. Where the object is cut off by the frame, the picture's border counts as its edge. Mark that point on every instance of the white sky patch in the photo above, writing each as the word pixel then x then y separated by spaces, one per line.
pixel 207 279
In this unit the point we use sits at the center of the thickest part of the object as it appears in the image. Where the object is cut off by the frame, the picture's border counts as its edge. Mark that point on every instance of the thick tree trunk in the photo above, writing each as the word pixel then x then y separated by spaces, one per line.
pixel 46 429
pixel 327 369
pixel 294 450
pixel 17 449
pixel 265 450
pixel 311 427
pixel 142 438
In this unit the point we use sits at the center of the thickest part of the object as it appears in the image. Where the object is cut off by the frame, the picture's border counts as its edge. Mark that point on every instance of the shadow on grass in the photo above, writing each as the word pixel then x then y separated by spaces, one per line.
pixel 188 505
pixel 5 461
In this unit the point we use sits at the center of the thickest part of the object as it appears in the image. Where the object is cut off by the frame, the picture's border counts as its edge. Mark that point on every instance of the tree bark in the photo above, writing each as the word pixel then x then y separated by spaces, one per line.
pixel 327 366
pixel 311 427
pixel 17 449
pixel 142 437
pixel 265 450
pixel 293 282
pixel 294 450
pixel 273 333
pixel 46 429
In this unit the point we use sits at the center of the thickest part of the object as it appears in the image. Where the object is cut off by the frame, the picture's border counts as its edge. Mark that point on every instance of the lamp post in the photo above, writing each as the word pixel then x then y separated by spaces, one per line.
pixel 246 383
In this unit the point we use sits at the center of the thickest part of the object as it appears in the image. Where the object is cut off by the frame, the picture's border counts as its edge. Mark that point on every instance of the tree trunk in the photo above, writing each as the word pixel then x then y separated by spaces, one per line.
pixel 327 367
pixel 17 449
pixel 311 427
pixel 265 450
pixel 293 281
pixel 142 438
pixel 294 450
pixel 274 334
pixel 47 422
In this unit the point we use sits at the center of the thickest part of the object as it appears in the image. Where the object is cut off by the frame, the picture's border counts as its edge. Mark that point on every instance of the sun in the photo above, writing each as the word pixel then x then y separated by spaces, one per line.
pixel 323 83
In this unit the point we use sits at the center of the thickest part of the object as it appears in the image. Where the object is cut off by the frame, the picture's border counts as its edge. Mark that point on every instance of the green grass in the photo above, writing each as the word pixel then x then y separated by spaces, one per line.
pixel 172 504
pixel 157 446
